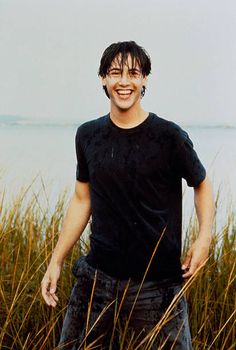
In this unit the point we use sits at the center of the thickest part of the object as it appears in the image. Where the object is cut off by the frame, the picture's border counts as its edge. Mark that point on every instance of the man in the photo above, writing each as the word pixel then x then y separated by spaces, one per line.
pixel 129 178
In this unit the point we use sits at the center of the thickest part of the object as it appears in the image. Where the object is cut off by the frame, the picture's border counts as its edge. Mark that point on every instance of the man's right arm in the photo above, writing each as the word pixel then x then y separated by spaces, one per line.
pixel 76 219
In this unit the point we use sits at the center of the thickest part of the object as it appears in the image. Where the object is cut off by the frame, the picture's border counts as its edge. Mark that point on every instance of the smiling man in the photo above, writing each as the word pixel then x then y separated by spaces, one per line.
pixel 129 180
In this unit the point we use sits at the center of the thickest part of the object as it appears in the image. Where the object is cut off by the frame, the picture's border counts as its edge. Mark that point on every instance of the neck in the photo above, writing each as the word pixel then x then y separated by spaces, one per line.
pixel 128 118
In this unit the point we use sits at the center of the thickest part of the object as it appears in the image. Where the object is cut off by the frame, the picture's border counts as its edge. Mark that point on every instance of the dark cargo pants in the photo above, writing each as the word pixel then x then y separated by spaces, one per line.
pixel 110 307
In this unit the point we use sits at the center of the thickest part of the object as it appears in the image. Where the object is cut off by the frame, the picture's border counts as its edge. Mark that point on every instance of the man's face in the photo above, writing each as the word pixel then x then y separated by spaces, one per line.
pixel 124 87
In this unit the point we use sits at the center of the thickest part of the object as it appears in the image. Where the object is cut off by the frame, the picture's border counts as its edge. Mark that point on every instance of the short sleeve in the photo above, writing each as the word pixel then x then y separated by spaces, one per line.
pixel 186 162
pixel 82 173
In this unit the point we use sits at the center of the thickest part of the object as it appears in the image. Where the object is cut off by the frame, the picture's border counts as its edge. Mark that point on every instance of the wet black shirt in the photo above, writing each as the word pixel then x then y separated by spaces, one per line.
pixel 136 194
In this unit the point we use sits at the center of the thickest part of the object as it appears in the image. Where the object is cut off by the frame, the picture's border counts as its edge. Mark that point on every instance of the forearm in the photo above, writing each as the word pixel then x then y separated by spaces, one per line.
pixel 205 209
pixel 197 254
pixel 75 221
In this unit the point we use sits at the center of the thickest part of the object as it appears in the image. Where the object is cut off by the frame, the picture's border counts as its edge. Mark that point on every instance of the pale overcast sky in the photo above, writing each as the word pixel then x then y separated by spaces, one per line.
pixel 50 52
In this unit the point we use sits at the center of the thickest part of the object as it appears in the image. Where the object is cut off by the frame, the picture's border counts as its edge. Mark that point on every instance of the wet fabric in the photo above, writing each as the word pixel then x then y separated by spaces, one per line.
pixel 135 178
pixel 153 300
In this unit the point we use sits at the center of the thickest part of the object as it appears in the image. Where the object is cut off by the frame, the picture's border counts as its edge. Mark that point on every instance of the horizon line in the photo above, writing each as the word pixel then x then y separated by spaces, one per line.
pixel 24 121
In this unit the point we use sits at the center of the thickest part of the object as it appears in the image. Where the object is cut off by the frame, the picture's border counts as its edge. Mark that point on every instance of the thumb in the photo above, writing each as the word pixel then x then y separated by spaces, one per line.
pixel 53 286
pixel 187 260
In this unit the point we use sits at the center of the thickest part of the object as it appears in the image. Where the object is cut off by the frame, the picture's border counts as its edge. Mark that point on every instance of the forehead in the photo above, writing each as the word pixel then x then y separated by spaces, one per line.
pixel 117 62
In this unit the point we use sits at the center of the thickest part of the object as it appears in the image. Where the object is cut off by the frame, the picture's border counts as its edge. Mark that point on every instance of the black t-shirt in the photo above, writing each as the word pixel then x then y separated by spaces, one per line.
pixel 136 176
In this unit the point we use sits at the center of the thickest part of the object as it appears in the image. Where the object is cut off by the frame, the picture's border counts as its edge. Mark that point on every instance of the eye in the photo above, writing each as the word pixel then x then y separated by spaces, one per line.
pixel 134 73
pixel 114 72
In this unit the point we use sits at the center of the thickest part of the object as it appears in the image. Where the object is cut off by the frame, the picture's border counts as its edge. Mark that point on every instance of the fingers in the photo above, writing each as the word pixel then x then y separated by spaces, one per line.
pixel 48 289
pixel 195 259
pixel 189 271
pixel 186 264
pixel 192 267
pixel 53 295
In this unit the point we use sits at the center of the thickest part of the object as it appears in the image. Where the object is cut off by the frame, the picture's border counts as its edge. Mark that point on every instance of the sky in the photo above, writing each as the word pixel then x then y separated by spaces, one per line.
pixel 50 52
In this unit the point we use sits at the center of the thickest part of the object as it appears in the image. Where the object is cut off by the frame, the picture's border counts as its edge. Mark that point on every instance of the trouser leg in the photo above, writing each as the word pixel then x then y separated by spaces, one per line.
pixel 81 327
pixel 151 305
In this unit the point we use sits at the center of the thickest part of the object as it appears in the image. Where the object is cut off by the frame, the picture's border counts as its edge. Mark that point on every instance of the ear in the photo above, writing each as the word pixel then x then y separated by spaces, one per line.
pixel 103 81
pixel 145 80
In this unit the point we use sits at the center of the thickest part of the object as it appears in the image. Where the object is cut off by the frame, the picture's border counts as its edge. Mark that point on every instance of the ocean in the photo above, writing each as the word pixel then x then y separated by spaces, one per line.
pixel 41 159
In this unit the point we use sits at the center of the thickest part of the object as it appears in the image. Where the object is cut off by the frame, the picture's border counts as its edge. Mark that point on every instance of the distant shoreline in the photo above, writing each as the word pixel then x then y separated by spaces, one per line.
pixel 17 121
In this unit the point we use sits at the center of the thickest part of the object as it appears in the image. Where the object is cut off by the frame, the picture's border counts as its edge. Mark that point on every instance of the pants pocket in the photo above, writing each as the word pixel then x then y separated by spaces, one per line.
pixel 82 268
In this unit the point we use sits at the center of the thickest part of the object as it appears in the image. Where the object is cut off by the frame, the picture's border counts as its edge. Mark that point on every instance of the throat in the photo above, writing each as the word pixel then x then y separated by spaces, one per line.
pixel 128 120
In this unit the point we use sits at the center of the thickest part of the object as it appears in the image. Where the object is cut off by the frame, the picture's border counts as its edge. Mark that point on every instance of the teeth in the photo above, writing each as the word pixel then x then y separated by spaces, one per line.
pixel 124 92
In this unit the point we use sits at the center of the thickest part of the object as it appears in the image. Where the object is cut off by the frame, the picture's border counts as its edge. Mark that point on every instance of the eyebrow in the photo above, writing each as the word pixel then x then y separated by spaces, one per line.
pixel 131 69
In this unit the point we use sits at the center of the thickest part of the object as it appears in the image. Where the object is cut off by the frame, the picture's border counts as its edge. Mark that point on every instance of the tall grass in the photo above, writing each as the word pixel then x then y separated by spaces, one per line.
pixel 28 234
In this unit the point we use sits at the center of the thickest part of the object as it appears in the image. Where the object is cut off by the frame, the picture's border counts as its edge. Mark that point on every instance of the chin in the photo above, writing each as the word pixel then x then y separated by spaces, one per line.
pixel 125 105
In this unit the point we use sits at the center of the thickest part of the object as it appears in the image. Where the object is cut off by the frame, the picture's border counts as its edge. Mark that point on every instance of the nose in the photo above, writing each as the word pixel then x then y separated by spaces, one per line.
pixel 124 79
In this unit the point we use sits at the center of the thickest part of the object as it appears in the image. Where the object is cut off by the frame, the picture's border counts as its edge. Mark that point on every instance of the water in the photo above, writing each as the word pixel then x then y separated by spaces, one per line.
pixel 47 152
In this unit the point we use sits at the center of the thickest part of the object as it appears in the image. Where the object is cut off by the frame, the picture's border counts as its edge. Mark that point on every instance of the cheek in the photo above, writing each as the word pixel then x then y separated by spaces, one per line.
pixel 110 87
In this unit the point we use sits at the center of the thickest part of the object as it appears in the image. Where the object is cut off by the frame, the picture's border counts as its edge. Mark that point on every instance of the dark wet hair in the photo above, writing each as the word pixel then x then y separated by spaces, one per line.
pixel 124 48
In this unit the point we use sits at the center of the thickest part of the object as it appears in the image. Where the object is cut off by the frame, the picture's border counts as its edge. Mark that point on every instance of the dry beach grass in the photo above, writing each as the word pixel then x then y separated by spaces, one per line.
pixel 28 234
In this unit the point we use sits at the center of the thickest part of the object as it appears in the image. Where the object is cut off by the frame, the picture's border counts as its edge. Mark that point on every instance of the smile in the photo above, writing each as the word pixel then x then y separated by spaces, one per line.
pixel 125 93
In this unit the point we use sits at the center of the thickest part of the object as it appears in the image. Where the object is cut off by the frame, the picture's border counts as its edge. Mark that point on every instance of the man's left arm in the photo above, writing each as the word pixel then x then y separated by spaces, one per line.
pixel 197 254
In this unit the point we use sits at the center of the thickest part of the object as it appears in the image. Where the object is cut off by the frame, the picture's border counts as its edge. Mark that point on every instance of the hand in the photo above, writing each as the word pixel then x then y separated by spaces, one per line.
pixel 196 257
pixel 49 284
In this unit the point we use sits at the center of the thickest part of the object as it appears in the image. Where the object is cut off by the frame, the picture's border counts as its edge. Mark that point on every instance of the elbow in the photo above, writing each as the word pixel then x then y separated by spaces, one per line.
pixel 204 183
